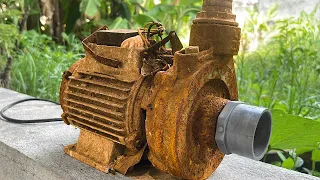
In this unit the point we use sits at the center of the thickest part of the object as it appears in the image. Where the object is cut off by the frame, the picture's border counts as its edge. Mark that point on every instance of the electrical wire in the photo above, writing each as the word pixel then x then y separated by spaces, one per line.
pixel 19 121
pixel 146 34
pixel 145 41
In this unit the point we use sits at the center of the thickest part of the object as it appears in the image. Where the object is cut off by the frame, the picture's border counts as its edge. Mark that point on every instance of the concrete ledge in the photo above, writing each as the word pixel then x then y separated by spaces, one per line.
pixel 35 152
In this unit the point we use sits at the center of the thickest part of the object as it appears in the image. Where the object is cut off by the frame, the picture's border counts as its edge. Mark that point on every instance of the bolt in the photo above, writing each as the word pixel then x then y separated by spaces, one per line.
pixel 221 129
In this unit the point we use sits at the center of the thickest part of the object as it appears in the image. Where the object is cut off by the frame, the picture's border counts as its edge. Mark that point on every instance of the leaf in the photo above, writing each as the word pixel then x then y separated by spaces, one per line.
pixel 73 14
pixel 125 11
pixel 277 163
pixel 303 150
pixel 119 23
pixel 288 163
pixel 161 9
pixel 90 7
pixel 65 37
pixel 316 155
pixel 142 19
pixel 294 132
pixel 136 1
pixel 316 173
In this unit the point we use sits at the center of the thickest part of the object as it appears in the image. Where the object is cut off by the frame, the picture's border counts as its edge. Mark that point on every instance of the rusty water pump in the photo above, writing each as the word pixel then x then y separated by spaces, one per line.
pixel 177 106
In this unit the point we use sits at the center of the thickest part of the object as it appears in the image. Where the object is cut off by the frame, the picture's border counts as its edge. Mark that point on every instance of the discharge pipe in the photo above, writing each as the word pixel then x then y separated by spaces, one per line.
pixel 244 130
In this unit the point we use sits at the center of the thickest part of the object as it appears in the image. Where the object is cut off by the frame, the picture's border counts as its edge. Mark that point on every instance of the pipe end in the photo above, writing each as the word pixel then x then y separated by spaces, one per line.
pixel 244 130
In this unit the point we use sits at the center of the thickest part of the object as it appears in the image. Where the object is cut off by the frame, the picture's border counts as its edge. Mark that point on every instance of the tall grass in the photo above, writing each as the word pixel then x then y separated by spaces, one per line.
pixel 284 71
pixel 40 63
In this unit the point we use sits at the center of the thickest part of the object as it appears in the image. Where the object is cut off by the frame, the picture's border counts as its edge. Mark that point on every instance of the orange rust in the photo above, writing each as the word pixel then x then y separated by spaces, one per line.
pixel 172 112
pixel 180 125
pixel 189 97
pixel 105 100
pixel 98 153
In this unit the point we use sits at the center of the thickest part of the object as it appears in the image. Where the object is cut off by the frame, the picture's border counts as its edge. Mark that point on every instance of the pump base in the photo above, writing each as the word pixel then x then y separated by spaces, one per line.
pixel 94 150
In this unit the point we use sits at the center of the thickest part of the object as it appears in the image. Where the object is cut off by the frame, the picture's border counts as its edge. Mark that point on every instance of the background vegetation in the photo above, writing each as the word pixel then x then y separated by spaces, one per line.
pixel 282 73
pixel 278 65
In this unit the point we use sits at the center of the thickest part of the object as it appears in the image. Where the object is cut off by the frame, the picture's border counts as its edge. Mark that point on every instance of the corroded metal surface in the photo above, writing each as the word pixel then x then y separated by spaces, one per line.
pixel 181 119
pixel 215 27
pixel 171 110
pixel 105 100
pixel 188 98
pixel 100 98
pixel 94 150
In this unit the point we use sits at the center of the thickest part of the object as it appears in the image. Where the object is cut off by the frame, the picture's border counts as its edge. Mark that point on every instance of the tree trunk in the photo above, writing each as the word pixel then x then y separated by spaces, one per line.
pixel 23 23
pixel 5 76
pixel 51 10
pixel 33 20
pixel 57 21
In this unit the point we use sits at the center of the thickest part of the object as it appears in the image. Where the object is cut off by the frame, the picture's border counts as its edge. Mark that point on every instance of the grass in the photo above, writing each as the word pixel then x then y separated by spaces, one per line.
pixel 284 72
pixel 40 63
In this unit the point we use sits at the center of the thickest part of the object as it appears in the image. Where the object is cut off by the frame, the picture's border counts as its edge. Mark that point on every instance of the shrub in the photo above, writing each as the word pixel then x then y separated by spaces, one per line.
pixel 40 63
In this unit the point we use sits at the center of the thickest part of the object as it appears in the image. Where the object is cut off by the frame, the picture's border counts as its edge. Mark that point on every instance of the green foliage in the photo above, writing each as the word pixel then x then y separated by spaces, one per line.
pixel 288 163
pixel 293 161
pixel 283 73
pixel 316 173
pixel 9 34
pixel 39 62
pixel 130 14
pixel 39 65
pixel 9 15
pixel 315 159
pixel 257 26
pixel 294 132
pixel 297 133
pixel 178 17
pixel 90 7
pixel 316 155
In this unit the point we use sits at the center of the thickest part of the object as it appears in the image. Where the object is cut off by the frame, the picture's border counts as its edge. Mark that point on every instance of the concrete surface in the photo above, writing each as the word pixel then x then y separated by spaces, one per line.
pixel 35 152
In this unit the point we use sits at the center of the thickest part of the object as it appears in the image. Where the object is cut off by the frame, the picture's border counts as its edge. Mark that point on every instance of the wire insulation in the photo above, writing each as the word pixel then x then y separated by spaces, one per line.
pixel 19 121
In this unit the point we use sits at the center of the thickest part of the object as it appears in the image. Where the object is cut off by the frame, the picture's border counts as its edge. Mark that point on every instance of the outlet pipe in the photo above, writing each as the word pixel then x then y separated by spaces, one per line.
pixel 244 130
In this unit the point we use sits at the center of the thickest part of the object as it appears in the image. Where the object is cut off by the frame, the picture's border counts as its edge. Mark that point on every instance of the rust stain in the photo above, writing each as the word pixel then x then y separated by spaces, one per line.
pixel 133 102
